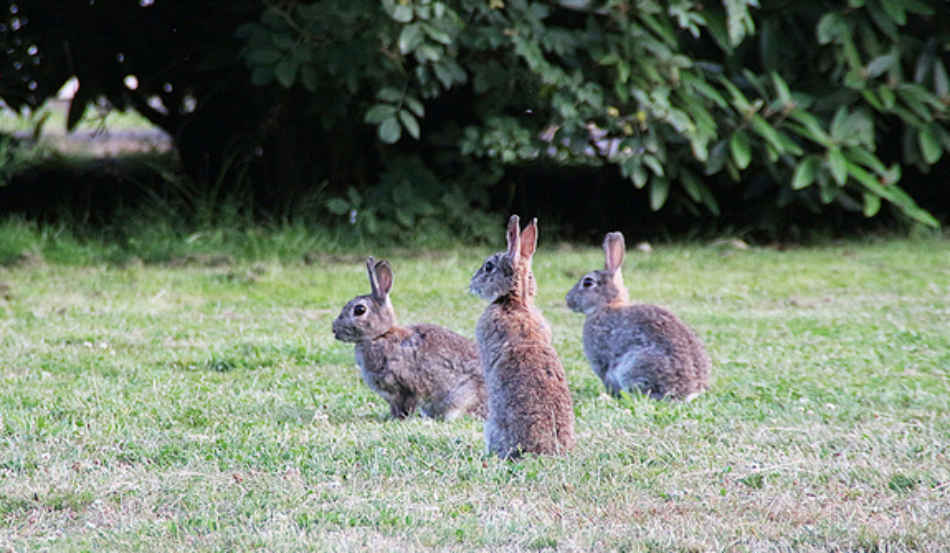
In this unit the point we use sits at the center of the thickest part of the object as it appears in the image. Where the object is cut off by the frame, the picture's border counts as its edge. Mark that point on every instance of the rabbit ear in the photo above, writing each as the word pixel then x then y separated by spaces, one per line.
pixel 529 239
pixel 384 279
pixel 614 248
pixel 380 277
pixel 371 271
pixel 514 239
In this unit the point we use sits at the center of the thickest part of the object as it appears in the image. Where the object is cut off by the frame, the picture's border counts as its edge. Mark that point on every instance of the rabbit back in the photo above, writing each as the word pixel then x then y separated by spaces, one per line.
pixel 427 367
pixel 646 349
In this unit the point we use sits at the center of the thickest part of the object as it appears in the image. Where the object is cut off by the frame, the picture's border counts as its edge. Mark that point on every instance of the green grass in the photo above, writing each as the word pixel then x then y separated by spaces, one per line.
pixel 208 408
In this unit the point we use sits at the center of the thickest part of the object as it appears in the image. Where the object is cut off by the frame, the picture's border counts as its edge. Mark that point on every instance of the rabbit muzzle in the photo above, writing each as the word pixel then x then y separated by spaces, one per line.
pixel 344 332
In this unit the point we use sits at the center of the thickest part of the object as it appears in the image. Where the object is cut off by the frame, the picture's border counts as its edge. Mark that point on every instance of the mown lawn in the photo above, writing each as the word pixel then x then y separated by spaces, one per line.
pixel 207 407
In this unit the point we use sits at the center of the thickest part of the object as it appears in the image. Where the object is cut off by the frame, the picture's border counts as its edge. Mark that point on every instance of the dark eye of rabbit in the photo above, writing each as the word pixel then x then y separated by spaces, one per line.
pixel 588 282
pixel 359 310
pixel 489 266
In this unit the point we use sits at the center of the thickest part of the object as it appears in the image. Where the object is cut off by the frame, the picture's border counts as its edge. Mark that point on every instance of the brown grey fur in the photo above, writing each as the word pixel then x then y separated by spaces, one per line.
pixel 420 366
pixel 636 347
pixel 529 405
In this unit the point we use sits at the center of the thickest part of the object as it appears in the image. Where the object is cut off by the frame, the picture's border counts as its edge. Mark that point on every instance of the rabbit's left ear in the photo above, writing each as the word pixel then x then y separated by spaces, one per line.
pixel 529 239
pixel 614 250
pixel 384 279
pixel 514 240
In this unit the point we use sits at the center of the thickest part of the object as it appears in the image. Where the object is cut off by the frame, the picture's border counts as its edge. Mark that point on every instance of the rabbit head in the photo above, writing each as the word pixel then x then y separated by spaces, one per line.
pixel 508 273
pixel 367 317
pixel 599 289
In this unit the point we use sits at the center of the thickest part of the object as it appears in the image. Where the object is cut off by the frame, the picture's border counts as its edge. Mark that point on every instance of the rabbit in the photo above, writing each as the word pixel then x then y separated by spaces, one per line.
pixel 636 347
pixel 422 365
pixel 529 405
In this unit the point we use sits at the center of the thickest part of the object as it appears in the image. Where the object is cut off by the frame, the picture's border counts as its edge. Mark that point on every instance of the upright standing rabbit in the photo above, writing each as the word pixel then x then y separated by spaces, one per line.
pixel 634 347
pixel 421 365
pixel 529 405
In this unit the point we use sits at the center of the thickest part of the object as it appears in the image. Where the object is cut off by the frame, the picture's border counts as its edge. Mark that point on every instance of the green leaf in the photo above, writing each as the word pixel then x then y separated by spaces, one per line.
pixel 659 191
pixel 781 89
pixel 870 98
pixel 838 128
pixel 717 157
pixel 654 164
pixel 409 38
pixel 789 146
pixel 402 13
pixel 866 158
pixel 763 129
pixel 881 65
pixel 389 94
pixel 741 150
pixel 920 101
pixel 286 72
pixel 379 113
pixel 692 185
pixel 872 204
pixel 941 83
pixel 639 175
pixel 883 21
pixel 738 99
pixel 415 106
pixel 919 7
pixel 409 123
pixel 704 88
pixel 829 28
pixel 930 146
pixel 837 164
pixel 806 172
pixel 437 34
pixel 390 131
pixel 895 10
pixel 887 96
pixel 338 206
pixel 426 53
pixel 894 195
pixel 811 127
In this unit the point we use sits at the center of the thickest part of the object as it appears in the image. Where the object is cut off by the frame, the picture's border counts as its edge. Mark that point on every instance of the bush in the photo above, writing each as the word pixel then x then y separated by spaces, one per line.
pixel 813 103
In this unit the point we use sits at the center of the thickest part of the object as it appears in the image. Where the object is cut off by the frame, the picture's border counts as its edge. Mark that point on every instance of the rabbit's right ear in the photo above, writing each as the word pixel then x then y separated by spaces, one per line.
pixel 614 248
pixel 514 240
pixel 381 279
pixel 371 272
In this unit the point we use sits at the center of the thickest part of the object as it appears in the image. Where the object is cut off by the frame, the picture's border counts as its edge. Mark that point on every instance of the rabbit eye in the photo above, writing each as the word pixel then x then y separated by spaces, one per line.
pixel 359 310
pixel 489 266
pixel 587 282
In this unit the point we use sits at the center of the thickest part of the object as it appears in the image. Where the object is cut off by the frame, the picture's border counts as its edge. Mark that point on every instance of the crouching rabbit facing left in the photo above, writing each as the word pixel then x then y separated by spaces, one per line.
pixel 420 366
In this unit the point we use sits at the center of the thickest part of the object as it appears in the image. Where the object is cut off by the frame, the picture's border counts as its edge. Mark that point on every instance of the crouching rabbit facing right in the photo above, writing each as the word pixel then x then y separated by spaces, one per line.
pixel 636 347
pixel 529 405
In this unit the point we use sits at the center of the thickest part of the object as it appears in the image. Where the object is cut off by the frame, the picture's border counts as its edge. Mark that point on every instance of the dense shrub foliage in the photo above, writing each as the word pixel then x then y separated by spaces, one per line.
pixel 399 112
